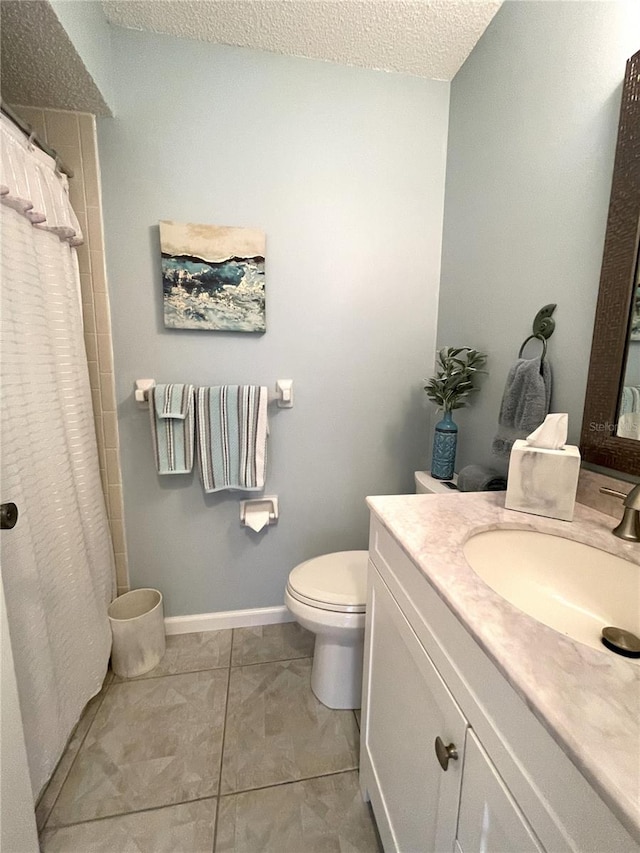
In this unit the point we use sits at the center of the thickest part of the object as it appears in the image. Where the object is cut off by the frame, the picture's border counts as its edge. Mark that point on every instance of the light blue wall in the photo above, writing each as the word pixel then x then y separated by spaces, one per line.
pixel 344 170
pixel 87 27
pixel 532 131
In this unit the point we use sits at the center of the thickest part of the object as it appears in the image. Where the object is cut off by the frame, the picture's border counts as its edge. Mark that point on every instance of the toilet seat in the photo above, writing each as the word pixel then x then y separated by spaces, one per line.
pixel 335 582
pixel 323 605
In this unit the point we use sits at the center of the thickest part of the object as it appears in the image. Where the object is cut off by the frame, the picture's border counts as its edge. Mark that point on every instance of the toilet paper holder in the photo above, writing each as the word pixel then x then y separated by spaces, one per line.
pixel 266 504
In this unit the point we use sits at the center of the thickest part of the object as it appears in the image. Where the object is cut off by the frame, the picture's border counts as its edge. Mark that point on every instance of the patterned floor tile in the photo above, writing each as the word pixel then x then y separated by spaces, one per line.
pixel 187 828
pixel 154 742
pixel 50 793
pixel 324 814
pixel 191 653
pixel 277 731
pixel 262 643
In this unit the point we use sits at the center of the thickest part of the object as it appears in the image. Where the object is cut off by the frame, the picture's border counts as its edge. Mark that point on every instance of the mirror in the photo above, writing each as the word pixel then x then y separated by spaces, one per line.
pixel 609 437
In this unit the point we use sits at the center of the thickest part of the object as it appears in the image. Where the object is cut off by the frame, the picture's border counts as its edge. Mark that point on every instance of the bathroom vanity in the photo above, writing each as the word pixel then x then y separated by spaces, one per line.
pixel 482 728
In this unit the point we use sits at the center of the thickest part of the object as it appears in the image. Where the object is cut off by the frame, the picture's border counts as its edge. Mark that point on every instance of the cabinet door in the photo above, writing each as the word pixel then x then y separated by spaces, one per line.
pixel 490 820
pixel 406 708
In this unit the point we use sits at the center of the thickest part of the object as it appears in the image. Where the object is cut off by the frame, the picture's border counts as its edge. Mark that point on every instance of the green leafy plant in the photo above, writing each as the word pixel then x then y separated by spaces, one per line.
pixel 456 368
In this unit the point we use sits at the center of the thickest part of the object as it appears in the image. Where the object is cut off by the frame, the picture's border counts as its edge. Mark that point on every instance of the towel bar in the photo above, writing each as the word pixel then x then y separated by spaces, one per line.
pixel 283 396
pixel 143 387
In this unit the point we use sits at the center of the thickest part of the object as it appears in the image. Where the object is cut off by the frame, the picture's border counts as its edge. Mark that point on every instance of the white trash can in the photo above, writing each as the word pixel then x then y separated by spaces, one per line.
pixel 137 627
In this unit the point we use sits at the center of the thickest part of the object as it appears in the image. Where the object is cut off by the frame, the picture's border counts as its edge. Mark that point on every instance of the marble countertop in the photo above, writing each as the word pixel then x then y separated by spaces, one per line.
pixel 588 700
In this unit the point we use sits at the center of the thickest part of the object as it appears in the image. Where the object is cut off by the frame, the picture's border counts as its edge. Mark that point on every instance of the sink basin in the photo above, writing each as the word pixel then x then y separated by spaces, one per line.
pixel 571 587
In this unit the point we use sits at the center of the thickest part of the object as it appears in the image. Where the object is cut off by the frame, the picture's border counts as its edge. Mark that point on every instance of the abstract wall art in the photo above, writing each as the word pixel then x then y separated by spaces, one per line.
pixel 213 277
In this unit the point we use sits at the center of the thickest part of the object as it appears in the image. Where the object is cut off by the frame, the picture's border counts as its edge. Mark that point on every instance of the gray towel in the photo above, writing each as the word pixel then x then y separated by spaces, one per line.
pixel 477 478
pixel 525 403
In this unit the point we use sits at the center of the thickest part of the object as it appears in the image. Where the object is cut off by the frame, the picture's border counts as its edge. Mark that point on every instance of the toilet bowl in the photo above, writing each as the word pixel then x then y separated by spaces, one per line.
pixel 327 596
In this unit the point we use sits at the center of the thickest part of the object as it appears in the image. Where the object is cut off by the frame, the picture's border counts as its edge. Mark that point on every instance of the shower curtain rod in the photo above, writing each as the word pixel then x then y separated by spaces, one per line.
pixel 34 138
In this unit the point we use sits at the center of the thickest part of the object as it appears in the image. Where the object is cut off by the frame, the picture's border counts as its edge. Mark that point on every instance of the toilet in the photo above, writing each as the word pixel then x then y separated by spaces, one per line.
pixel 327 595
pixel 428 485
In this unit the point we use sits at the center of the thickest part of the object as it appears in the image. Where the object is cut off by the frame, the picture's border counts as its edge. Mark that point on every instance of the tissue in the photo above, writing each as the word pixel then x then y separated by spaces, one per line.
pixel 551 434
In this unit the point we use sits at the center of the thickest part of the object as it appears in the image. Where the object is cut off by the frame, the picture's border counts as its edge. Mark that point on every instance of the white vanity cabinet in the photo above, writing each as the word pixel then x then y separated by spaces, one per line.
pixel 419 799
pixel 489 819
pixel 511 788
pixel 408 709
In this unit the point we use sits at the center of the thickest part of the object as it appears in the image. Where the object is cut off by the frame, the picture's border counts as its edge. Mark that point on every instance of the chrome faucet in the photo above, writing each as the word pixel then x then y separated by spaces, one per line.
pixel 629 527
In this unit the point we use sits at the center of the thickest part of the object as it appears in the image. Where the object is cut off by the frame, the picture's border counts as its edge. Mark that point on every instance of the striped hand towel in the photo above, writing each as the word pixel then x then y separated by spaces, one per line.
pixel 232 436
pixel 172 428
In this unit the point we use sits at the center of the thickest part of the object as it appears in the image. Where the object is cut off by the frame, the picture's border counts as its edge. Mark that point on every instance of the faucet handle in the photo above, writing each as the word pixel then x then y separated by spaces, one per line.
pixel 604 490
pixel 632 499
pixel 629 527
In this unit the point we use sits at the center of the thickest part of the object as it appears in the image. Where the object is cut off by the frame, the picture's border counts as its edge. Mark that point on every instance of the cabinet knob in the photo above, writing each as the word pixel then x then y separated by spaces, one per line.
pixel 8 516
pixel 445 753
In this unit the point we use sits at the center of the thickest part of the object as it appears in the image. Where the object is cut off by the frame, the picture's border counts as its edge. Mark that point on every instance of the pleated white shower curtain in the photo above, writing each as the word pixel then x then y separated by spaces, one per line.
pixel 57 563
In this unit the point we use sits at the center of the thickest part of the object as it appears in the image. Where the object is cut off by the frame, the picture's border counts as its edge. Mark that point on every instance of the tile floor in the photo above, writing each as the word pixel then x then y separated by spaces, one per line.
pixel 222 748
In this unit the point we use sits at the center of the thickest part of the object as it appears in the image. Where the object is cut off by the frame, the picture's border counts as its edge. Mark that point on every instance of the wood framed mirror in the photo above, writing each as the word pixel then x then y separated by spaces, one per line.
pixel 615 348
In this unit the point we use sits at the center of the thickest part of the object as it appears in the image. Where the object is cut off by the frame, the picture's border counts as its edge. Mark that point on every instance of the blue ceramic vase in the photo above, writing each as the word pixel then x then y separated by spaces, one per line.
pixel 445 440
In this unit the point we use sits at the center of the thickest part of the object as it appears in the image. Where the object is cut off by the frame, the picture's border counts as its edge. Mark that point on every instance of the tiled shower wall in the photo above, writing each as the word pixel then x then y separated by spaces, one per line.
pixel 73 136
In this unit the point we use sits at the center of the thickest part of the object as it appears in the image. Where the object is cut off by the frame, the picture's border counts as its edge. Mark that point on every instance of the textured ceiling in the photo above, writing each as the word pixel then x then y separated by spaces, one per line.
pixel 40 66
pixel 418 37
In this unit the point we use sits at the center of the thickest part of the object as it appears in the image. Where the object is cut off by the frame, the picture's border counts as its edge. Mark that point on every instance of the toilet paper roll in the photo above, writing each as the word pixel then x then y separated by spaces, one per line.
pixel 256 519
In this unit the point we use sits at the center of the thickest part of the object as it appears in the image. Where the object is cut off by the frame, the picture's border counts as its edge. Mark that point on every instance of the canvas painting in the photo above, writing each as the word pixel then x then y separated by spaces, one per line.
pixel 213 277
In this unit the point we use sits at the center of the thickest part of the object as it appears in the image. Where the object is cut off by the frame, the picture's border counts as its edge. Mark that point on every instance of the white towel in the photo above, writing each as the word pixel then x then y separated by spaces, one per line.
pixel 232 436
pixel 630 399
pixel 172 428
pixel 629 426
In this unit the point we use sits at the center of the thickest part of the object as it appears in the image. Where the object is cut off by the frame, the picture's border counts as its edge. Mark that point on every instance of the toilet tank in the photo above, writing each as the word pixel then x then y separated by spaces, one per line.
pixel 428 485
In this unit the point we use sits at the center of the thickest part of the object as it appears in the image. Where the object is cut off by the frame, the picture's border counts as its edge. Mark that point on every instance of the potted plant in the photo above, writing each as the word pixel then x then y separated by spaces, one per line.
pixel 456 369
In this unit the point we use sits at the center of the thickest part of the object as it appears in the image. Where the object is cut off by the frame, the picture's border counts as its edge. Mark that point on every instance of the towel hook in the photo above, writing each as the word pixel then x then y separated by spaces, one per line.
pixel 543 326
pixel 543 323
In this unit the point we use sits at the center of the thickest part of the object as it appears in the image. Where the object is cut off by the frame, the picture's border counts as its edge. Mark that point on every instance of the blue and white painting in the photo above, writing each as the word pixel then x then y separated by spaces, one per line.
pixel 213 277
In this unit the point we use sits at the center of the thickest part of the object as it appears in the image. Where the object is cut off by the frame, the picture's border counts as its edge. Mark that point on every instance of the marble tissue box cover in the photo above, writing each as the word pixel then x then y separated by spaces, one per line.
pixel 542 481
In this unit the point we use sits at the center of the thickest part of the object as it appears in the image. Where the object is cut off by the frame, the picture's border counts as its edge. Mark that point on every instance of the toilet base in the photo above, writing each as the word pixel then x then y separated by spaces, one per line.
pixel 336 675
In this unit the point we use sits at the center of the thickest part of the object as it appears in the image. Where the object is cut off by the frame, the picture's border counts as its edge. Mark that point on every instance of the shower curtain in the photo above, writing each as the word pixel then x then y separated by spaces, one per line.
pixel 57 563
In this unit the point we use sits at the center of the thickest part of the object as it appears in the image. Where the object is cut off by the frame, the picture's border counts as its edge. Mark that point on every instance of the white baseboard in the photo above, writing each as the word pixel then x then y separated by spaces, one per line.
pixel 226 619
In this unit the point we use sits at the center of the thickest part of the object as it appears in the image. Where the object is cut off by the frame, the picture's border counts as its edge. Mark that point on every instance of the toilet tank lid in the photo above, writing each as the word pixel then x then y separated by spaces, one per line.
pixel 426 484
pixel 338 578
